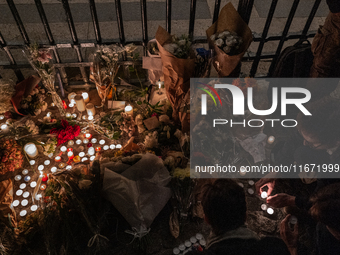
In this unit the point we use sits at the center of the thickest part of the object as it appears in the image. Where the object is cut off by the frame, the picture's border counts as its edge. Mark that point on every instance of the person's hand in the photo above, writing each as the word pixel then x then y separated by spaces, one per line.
pixel 269 182
pixel 290 237
pixel 281 200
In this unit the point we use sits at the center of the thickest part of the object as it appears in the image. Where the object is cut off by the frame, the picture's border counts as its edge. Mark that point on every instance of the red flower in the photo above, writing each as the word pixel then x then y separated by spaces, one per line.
pixel 67 132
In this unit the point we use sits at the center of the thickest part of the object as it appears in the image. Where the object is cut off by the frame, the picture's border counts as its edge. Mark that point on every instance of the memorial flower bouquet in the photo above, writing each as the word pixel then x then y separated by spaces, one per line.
pixel 11 157
pixel 7 91
pixel 34 103
pixel 65 132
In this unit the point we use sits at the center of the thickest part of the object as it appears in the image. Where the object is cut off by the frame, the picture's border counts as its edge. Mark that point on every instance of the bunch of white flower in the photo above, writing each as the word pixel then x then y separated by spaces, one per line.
pixel 228 41
pixel 180 47
pixel 31 127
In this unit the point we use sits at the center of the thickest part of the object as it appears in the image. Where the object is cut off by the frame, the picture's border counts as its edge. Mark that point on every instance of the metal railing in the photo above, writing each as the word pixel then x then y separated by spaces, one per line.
pixel 244 8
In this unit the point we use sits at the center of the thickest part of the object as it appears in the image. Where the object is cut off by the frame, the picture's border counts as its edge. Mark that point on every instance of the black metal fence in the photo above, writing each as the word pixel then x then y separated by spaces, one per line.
pixel 244 8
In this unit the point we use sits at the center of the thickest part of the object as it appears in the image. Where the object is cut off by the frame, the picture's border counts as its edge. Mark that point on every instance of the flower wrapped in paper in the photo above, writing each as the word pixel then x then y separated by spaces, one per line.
pixel 153 62
pixel 235 39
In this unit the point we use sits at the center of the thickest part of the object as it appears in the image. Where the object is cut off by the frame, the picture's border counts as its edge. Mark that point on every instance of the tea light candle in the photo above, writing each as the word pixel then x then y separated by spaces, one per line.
pixel 25 171
pixel 84 117
pixel 81 154
pixel 4 127
pixel 80 103
pixel 68 167
pixel 49 114
pixel 57 159
pixel 264 207
pixel 251 182
pixel 23 213
pixel 43 187
pixel 91 151
pixel 251 191
pixel 264 194
pixel 17 177
pixel 70 143
pixel 53 169
pixel 98 149
pixel 86 141
pixel 70 154
pixel 270 210
pixel 19 192
pixel 68 115
pixel 129 110
pixel 22 185
pixel 112 146
pixel 41 167
pixel 101 142
pixel 84 159
pixel 74 115
pixel 31 150
pixel 2 117
pixel 106 147
pixel 33 184
pixel 88 135
pixel 52 104
pixel 71 105
pixel 16 203
pixel 86 97
pixel 76 159
pixel 90 117
pixel 92 158
pixel 24 202
pixel 63 148
pixel 38 197
pixel 94 140
pixel 26 194
pixel 32 162
pixel 271 139
pixel 78 141
pixel 71 96
pixel 47 162
pixel 34 208
pixel 61 165
pixel 118 146
pixel 90 109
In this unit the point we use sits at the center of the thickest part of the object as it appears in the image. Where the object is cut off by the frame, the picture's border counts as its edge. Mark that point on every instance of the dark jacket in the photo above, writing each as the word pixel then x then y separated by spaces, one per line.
pixel 334 5
pixel 265 246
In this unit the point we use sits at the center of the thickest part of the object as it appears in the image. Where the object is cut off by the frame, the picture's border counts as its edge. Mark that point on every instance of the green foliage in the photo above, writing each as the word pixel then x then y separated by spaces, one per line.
pixel 147 109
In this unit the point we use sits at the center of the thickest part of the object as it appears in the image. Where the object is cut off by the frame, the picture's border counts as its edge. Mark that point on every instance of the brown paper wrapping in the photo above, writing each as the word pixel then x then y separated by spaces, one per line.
pixel 177 73
pixel 230 20
pixel 154 65
pixel 7 215
pixel 23 89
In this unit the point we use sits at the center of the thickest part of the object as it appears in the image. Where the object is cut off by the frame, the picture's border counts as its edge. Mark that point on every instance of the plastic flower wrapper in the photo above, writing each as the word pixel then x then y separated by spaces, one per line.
pixel 40 60
pixel 229 27
pixel 106 62
pixel 178 68
pixel 153 62
pixel 139 192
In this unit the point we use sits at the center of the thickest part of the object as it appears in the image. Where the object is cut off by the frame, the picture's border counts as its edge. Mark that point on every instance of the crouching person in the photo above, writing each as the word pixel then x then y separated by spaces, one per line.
pixel 225 210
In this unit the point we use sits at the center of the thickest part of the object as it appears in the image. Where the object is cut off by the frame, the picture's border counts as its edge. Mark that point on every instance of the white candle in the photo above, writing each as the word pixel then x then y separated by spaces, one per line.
pixel 91 151
pixel 71 105
pixel 2 117
pixel 264 194
pixel 32 162
pixel 68 167
pixel 94 140
pixel 81 154
pixel 33 184
pixel 86 141
pixel 49 114
pixel 47 162
pixel 34 208
pixel 129 110
pixel 264 207
pixel 91 111
pixel 106 147
pixel 25 171
pixel 71 96
pixel 68 115
pixel 84 159
pixel 74 115
pixel 80 103
pixel 92 158
pixel 271 139
pixel 112 146
pixel 41 167
pixel 23 213
pixel 84 117
pixel 19 192
pixel 63 148
pixel 102 142
pixel 16 203
pixel 22 185
pixel 70 154
pixel 31 150
pixel 270 210
pixel 118 146
pixel 90 117
pixel 4 127
pixel 53 169
pixel 86 97
pixel 78 141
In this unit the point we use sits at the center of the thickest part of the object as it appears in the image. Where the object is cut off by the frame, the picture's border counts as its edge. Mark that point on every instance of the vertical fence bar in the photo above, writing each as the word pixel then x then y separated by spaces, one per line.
pixel 216 10
pixel 120 21
pixel 310 19
pixel 192 18
pixel 74 37
pixel 168 16
pixel 95 21
pixel 18 21
pixel 284 35
pixel 263 38
pixel 17 71
pixel 144 23
pixel 49 36
pixel 245 8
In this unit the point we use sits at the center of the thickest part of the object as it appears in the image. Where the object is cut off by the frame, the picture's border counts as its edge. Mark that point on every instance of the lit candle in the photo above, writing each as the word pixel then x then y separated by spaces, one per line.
pixel 91 111
pixel 68 167
pixel 26 194
pixel 92 158
pixel 19 192
pixel 76 159
pixel 71 105
pixel 34 208
pixel 70 143
pixel 84 117
pixel 47 162
pixel 69 149
pixel 31 150
pixel 41 167
pixel 25 171
pixel 70 154
pixel 81 154
pixel 78 141
pixel 80 103
pixel 43 187
pixel 63 148
pixel 52 104
pixel 4 127
pixel 98 149
pixel 250 191
pixel 32 162
pixel 271 139
pixel 84 159
pixel 53 169
pixel 264 194
pixel 94 140
pixel 102 142
pixel 22 185
pixel 90 117
pixel 270 210
pixel 129 110
pixel 27 178
pixel 33 184
pixel 74 115
pixel 88 135
pixel 61 165
pixel 68 115
pixel 86 141
pixel 106 147
pixel 57 159
pixel 112 146
pixel 49 114
pixel 118 146
pixel 24 202
pixel 91 151
pixel 86 97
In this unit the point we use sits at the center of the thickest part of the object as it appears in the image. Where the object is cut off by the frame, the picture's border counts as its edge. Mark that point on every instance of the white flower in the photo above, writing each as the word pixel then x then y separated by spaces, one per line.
pixel 219 42
pixel 130 48
pixel 29 98
pixel 226 49
pixel 171 47
pixel 229 42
